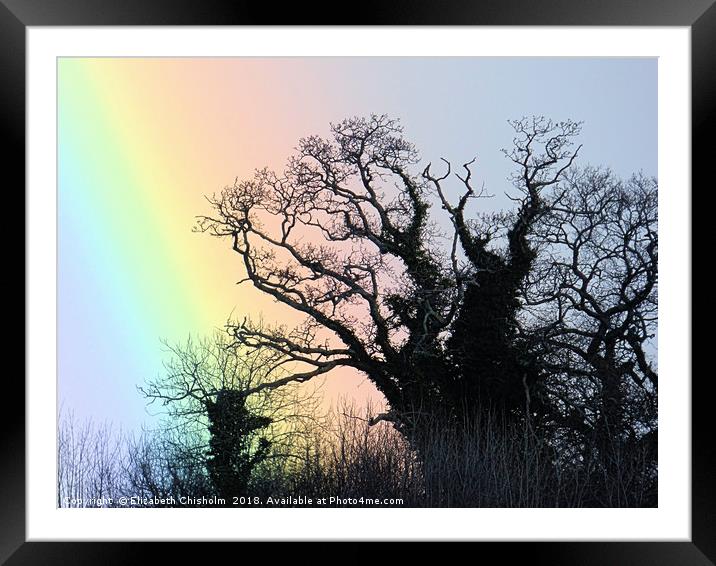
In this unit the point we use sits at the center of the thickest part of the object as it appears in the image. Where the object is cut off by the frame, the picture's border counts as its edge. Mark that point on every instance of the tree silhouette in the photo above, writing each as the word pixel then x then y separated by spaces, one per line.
pixel 593 297
pixel 485 316
pixel 219 426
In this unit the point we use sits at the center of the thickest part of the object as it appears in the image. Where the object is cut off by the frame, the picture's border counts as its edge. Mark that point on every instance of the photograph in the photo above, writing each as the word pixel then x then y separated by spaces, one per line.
pixel 393 278
pixel 357 281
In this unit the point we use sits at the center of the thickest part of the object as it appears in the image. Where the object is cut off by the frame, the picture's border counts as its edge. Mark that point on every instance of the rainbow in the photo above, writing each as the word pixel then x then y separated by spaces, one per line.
pixel 141 142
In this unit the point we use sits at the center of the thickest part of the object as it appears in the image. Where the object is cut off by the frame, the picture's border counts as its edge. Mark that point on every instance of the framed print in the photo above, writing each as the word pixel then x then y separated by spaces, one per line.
pixel 385 280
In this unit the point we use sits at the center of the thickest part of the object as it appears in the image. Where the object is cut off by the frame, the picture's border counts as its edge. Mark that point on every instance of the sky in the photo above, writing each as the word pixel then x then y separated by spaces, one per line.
pixel 141 142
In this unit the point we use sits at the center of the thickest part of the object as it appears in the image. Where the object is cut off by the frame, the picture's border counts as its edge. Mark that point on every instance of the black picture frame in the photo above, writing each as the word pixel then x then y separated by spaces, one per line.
pixel 699 15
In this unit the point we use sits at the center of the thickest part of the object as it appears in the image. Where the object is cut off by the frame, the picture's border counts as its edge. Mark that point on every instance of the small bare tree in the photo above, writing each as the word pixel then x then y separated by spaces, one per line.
pixel 213 394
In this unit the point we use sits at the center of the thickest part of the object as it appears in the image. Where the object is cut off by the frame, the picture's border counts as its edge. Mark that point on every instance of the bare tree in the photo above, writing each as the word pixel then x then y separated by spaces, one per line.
pixel 593 299
pixel 344 237
pixel 212 394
